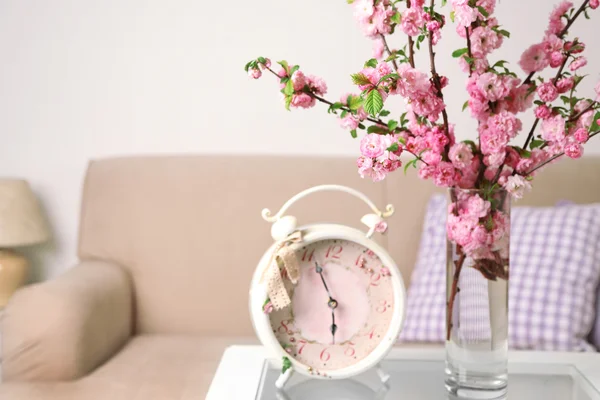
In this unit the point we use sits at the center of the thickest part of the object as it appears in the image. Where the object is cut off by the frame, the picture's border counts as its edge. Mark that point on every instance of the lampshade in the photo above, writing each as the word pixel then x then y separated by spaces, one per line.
pixel 22 221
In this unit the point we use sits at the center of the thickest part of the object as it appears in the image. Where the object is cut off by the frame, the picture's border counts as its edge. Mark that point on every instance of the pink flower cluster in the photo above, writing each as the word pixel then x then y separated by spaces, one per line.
pixel 414 19
pixel 351 121
pixel 476 228
pixel 421 94
pixel 376 160
pixel 374 19
pixel 304 86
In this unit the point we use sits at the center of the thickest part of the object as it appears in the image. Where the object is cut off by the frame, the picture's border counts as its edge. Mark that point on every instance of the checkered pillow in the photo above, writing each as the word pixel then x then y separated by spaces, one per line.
pixel 555 269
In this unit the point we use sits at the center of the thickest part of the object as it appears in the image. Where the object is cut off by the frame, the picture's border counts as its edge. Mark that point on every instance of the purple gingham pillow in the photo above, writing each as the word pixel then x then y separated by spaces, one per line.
pixel 555 269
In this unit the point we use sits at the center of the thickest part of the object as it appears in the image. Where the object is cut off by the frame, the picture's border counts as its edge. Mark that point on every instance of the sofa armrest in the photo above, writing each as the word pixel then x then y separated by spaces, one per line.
pixel 64 328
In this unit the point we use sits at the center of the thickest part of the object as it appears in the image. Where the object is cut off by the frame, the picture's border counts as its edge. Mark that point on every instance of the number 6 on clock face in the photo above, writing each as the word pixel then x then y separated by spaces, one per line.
pixel 346 309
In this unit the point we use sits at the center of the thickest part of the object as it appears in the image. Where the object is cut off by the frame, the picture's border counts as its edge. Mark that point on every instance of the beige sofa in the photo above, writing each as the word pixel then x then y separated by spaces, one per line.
pixel 167 248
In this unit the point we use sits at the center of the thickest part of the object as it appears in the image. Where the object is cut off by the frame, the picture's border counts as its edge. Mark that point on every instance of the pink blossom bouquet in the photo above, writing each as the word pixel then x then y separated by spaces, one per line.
pixel 481 172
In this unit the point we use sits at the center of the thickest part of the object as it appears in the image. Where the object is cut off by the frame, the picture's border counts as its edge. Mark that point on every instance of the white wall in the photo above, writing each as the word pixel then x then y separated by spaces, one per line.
pixel 81 79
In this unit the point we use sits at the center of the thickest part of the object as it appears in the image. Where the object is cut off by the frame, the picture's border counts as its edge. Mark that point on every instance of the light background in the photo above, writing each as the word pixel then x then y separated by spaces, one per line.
pixel 83 79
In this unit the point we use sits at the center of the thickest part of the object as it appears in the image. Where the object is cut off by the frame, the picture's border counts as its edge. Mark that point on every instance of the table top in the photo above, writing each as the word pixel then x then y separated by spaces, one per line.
pixel 245 373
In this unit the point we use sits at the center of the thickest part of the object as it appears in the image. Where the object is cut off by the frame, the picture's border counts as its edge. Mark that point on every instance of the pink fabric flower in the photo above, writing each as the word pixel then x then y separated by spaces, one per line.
pixel 581 135
pixel 505 124
pixel 349 122
pixel 543 112
pixel 461 155
pixel 316 85
pixel 578 63
pixel 299 80
pixel 464 15
pixel 254 73
pixel 381 227
pixel 574 150
pixel 516 185
pixel 547 92
pixel 594 4
pixel 556 25
pixel 268 308
pixel 534 59
pixel 371 146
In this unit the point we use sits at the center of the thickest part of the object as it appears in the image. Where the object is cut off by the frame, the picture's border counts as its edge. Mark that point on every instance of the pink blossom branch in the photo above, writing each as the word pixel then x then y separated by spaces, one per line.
pixel 325 101
pixel 537 120
pixel 592 106
pixel 562 33
pixel 411 44
pixel 469 51
pixel 553 158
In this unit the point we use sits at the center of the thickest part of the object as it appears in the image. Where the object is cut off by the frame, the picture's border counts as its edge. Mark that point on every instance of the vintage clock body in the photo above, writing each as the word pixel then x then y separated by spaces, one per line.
pixel 347 305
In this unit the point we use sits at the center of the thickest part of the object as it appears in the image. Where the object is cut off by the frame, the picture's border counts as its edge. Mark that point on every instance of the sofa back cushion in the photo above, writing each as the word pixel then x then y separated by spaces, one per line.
pixel 190 231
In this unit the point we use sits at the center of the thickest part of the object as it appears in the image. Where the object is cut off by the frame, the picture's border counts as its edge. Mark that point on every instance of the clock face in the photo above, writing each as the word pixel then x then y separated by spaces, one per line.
pixel 342 284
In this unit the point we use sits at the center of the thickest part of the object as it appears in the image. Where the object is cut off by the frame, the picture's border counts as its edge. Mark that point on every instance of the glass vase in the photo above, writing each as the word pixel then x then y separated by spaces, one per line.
pixel 478 238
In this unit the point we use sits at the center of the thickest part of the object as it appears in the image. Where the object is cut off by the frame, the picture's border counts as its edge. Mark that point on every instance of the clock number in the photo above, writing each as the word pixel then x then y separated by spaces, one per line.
pixel 382 307
pixel 334 252
pixel 284 328
pixel 301 346
pixel 325 356
pixel 375 278
pixel 350 351
pixel 307 254
pixel 360 260
pixel 372 333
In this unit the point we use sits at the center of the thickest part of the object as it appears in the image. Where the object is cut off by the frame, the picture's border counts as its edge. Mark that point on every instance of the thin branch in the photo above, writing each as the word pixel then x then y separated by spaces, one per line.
pixel 322 100
pixel 436 78
pixel 469 52
pixel 588 108
pixel 389 51
pixel 531 132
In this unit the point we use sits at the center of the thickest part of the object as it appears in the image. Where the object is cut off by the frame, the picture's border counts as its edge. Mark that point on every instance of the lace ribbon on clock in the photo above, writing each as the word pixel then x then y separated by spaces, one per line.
pixel 283 259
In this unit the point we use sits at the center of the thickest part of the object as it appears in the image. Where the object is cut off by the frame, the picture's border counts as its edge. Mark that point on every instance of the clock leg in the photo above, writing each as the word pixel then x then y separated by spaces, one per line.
pixel 382 392
pixel 281 395
pixel 283 378
pixel 383 376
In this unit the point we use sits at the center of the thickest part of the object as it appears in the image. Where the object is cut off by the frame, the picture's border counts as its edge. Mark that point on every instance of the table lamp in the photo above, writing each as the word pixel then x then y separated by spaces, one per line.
pixel 22 223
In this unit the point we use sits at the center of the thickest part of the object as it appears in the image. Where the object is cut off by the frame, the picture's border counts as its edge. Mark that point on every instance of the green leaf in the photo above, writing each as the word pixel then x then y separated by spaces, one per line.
pixel 353 133
pixel 296 68
pixel 355 102
pixel 397 18
pixel 402 140
pixel 360 79
pixel 444 2
pixel 285 66
pixel 247 67
pixel 371 63
pixel 361 126
pixel 524 153
pixel 384 113
pixel 460 52
pixel 392 124
pixel 288 102
pixel 408 165
pixel 393 148
pixel 373 102
pixel 452 16
pixel 483 11
pixel 289 88
pixel 403 119
pixel 344 113
pixel 595 127
pixel 287 364
pixel 535 143
pixel 464 107
pixel 388 76
pixel 377 129
pixel 504 32
pixel 262 60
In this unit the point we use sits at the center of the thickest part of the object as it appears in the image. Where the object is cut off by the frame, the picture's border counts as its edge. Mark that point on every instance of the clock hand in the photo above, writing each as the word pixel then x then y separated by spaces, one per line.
pixel 332 303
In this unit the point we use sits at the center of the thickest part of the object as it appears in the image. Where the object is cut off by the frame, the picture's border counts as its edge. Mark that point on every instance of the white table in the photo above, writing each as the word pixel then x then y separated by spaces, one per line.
pixel 416 374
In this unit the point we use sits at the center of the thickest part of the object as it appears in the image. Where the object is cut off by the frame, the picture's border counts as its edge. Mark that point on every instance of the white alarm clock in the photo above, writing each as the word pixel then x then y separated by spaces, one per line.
pixel 326 299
